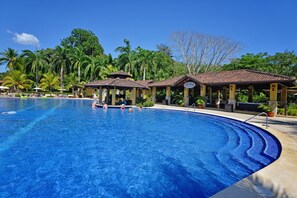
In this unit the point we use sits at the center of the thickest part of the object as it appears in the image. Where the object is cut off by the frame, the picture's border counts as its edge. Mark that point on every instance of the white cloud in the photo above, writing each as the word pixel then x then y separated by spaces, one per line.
pixel 26 39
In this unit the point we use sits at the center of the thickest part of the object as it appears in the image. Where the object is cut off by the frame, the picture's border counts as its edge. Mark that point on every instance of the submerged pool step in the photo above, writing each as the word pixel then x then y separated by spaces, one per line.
pixel 247 142
pixel 259 145
pixel 235 149
pixel 255 152
pixel 272 144
pixel 219 173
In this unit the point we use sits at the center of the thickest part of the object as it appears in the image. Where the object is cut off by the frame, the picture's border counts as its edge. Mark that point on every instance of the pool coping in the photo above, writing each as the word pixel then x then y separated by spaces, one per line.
pixel 274 180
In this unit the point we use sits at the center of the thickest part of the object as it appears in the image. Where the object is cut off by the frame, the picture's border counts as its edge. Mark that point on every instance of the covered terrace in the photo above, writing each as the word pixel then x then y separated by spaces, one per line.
pixel 219 88
pixel 117 84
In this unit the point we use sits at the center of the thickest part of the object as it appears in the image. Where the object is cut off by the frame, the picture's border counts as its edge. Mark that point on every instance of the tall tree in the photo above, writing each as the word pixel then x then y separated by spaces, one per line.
pixel 281 63
pixel 72 83
pixel 164 49
pixel 248 61
pixel 34 61
pixel 10 57
pixel 125 60
pixel 144 61
pixel 196 50
pixel 61 61
pixel 93 68
pixel 85 39
pixel 78 59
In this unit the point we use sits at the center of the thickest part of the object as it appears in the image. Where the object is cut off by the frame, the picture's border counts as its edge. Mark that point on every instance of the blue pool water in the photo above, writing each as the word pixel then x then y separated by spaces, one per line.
pixel 64 148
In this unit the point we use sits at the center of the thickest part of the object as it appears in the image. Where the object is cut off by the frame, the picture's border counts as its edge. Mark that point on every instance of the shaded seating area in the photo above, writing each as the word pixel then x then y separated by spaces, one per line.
pixel 219 89
pixel 119 88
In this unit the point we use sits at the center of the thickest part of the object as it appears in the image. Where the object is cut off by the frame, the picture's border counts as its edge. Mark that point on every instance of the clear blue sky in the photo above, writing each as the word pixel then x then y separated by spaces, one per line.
pixel 260 25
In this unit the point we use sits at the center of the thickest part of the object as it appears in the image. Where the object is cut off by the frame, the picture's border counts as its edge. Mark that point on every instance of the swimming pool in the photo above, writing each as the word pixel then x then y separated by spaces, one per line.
pixel 64 148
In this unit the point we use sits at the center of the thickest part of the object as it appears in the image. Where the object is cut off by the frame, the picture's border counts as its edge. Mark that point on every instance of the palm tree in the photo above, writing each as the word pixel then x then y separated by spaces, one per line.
pixel 60 61
pixel 106 70
pixel 10 57
pixel 34 61
pixel 144 61
pixel 50 82
pixel 126 57
pixel 72 82
pixel 79 59
pixel 17 80
pixel 93 68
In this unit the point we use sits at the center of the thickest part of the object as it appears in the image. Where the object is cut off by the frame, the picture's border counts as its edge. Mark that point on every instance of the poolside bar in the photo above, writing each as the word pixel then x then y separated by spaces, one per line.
pixel 224 85
pixel 118 81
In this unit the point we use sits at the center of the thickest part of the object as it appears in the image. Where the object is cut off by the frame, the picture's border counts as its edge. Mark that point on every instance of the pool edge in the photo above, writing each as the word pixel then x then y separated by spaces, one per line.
pixel 274 180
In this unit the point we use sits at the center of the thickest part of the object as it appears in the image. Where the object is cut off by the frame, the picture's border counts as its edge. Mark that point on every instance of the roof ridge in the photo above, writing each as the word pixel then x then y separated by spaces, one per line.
pixel 248 70
pixel 270 74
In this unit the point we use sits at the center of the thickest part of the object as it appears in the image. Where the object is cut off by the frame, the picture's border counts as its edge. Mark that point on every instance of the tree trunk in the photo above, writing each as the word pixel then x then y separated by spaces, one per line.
pixel 143 73
pixel 62 79
pixel 78 73
pixel 36 78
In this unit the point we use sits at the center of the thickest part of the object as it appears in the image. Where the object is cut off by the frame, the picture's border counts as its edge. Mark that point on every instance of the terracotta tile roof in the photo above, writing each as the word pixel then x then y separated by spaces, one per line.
pixel 144 82
pixel 118 82
pixel 168 82
pixel 120 74
pixel 226 77
pixel 240 77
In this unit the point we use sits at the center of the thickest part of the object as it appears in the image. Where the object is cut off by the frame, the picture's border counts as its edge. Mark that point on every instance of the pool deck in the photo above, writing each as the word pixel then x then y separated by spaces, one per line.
pixel 279 179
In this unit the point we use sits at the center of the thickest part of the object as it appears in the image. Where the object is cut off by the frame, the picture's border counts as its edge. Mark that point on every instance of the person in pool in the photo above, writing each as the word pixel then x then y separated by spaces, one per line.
pixel 94 105
pixel 122 107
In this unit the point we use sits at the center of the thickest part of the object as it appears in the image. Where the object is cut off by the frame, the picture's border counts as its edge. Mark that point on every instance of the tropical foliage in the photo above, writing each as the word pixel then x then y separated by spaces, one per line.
pixel 86 40
pixel 34 61
pixel 50 82
pixel 17 80
pixel 80 58
pixel 280 63
pixel 9 57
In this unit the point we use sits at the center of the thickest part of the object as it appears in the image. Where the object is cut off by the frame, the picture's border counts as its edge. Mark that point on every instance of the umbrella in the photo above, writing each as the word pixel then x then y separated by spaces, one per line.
pixel 37 88
pixel 3 87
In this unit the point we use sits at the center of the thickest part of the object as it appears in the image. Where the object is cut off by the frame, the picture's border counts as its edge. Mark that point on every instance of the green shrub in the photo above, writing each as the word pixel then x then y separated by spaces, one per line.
pixel 148 103
pixel 292 106
pixel 292 112
pixel 139 100
pixel 265 107
pixel 280 111
pixel 177 98
pixel 242 96
pixel 17 95
pixel 160 95
pixel 260 98
pixel 199 100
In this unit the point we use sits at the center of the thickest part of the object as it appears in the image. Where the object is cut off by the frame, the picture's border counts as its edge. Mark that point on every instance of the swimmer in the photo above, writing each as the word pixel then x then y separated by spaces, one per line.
pixel 105 106
pixel 94 104
pixel 122 107
pixel 140 108
pixel 130 109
